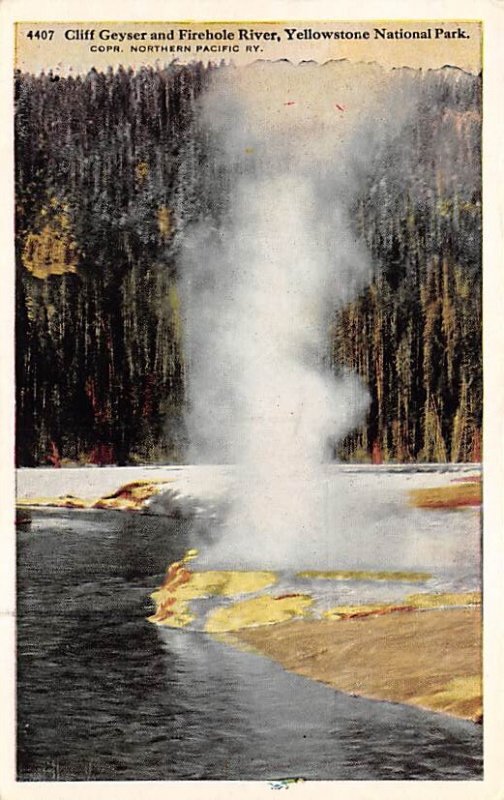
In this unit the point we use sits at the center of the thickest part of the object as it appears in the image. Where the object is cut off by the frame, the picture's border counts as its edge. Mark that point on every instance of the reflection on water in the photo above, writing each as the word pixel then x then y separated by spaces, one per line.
pixel 105 695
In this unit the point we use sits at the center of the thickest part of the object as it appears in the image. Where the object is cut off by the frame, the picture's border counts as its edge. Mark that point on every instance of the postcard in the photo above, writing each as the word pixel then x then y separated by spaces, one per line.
pixel 250 331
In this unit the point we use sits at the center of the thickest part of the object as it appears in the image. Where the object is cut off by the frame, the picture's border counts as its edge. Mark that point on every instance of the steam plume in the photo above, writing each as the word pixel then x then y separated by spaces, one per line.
pixel 260 288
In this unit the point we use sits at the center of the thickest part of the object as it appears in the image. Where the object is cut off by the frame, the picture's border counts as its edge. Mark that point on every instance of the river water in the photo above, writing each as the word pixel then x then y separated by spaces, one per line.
pixel 104 695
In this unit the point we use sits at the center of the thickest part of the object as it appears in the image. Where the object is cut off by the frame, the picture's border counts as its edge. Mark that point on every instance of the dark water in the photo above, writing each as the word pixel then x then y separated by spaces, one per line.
pixel 104 695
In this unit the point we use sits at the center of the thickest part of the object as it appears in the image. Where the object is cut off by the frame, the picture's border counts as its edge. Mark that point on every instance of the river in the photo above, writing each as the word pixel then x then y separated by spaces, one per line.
pixel 104 695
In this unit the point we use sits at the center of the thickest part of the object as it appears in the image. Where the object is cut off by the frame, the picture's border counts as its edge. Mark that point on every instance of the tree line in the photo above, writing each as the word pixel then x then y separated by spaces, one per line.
pixel 112 167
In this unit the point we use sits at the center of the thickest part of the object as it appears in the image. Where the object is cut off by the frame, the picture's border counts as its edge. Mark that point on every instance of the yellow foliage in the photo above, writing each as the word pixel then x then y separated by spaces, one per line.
pixel 31 308
pixel 434 448
pixel 52 250
pixel 164 220
pixel 141 171
pixel 445 207
pixel 263 610
pixel 174 302
pixel 459 423
pixel 462 285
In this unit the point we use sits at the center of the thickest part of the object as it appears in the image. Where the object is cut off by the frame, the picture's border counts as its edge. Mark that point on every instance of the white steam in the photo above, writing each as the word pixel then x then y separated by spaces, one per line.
pixel 259 292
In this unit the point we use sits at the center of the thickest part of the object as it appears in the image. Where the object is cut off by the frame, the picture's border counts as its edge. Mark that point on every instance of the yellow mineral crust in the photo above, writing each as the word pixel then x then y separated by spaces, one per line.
pixel 461 697
pixel 412 602
pixel 443 600
pixel 224 584
pixel 347 612
pixel 458 495
pixel 173 613
pixel 258 611
pixel 181 585
pixel 130 497
pixel 360 575
pixel 63 501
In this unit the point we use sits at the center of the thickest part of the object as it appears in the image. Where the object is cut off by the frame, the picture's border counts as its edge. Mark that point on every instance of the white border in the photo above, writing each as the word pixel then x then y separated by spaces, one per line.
pixel 491 12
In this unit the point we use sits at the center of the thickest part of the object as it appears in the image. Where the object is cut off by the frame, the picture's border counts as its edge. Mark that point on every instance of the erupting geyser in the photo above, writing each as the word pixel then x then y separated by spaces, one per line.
pixel 292 148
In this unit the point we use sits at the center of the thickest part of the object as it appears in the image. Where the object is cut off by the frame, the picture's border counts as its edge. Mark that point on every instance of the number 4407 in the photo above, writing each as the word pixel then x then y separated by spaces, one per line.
pixel 44 35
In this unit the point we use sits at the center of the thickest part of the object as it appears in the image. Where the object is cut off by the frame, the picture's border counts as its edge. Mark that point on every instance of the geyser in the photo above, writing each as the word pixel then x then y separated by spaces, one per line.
pixel 260 288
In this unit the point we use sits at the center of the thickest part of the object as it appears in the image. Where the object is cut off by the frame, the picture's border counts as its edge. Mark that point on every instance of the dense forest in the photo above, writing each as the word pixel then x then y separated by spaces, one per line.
pixel 112 167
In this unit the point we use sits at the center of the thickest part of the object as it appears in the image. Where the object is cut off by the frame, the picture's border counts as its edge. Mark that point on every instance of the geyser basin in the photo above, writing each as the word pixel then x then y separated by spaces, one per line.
pixel 226 601
pixel 180 690
pixel 369 521
pixel 401 556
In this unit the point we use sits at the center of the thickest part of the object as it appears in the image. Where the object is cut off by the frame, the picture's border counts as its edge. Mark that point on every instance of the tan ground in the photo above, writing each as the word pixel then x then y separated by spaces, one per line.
pixel 430 659
pixel 455 495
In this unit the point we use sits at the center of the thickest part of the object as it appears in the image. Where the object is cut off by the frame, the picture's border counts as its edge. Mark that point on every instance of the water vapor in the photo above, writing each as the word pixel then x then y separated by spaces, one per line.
pixel 261 285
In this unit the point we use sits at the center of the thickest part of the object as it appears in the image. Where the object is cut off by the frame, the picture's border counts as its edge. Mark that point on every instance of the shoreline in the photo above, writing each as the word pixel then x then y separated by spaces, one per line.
pixel 428 659
pixel 92 481
pixel 181 489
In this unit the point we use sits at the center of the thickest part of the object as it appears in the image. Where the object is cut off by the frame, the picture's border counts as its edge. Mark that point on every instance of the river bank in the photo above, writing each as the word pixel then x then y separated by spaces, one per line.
pixel 429 659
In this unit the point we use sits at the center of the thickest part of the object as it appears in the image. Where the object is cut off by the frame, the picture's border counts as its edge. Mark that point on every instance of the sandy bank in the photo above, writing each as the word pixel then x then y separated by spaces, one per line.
pixel 430 659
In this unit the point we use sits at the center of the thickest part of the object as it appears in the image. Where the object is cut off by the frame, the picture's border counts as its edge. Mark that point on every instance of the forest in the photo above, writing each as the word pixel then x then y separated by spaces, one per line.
pixel 112 167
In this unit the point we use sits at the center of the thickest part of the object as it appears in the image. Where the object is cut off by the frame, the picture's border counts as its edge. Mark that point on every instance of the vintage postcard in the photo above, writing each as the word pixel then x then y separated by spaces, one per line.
pixel 249 430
